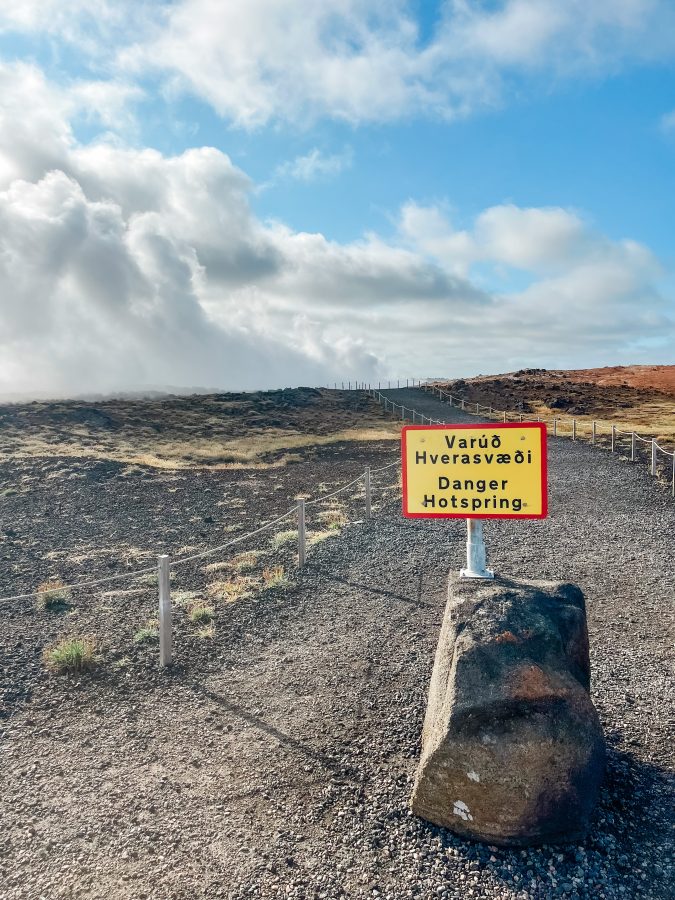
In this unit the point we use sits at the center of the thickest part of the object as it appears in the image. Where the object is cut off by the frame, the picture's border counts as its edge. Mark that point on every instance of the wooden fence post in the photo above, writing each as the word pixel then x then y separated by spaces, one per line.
pixel 632 446
pixel 613 437
pixel 367 483
pixel 165 648
pixel 301 534
pixel 574 429
pixel 653 456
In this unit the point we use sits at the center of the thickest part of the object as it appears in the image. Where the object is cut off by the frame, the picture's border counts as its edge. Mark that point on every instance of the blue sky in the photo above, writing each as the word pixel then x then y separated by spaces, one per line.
pixel 492 179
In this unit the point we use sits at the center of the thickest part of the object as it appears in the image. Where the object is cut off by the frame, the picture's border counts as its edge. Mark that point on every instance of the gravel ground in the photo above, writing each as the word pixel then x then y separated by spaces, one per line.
pixel 277 759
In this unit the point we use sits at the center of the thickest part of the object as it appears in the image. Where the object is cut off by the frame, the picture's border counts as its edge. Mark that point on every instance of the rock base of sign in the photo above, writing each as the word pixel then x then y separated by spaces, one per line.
pixel 512 748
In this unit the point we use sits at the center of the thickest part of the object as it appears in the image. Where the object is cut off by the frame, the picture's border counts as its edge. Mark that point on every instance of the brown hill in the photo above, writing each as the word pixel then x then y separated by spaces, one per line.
pixel 659 378
pixel 639 398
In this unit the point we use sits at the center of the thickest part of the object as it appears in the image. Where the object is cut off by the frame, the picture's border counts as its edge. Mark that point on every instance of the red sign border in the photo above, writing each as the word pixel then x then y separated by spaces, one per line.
pixel 541 426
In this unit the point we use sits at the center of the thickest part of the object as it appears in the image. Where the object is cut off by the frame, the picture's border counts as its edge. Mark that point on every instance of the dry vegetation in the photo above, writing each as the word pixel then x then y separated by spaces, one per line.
pixel 219 431
pixel 70 655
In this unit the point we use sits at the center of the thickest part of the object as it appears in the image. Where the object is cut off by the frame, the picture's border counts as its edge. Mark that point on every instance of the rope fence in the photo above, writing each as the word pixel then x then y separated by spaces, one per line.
pixel 553 424
pixel 165 563
pixel 162 569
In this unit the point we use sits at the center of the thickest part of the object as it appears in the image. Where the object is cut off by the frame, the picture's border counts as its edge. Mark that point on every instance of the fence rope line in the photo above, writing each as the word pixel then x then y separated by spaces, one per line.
pixel 465 404
pixel 175 563
pixel 146 570
pixel 468 408
pixel 238 540
pixel 323 497
pixel 77 585
pixel 383 468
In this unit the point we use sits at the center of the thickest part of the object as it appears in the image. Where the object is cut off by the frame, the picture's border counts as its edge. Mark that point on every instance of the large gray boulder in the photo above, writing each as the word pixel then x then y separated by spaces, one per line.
pixel 512 749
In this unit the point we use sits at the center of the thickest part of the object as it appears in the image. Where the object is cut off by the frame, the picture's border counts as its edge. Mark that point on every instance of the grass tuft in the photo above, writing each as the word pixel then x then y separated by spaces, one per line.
pixel 274 577
pixel 238 588
pixel 316 537
pixel 216 566
pixel 281 538
pixel 183 598
pixel 334 517
pixel 74 654
pixel 200 614
pixel 208 631
pixel 245 562
pixel 148 634
pixel 53 595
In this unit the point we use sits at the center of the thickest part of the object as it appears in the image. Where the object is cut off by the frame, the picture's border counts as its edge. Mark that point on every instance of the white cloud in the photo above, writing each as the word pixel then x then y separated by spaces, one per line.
pixel 298 59
pixel 256 61
pixel 35 115
pixel 95 27
pixel 538 240
pixel 121 266
pixel 315 165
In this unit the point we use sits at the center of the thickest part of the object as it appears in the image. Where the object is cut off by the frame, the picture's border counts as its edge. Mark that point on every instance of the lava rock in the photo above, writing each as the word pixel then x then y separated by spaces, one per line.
pixel 512 748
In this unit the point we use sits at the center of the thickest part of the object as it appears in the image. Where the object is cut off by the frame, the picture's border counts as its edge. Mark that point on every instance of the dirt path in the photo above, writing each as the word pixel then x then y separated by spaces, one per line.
pixel 280 762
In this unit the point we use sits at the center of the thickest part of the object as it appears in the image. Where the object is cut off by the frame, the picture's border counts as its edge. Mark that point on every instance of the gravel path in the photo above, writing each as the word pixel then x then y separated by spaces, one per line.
pixel 281 763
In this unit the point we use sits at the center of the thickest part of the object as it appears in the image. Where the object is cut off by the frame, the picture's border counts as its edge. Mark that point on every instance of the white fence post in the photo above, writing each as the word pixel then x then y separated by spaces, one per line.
pixel 301 534
pixel 165 649
pixel 613 437
pixel 505 415
pixel 594 428
pixel 574 429
pixel 632 446
pixel 367 483
pixel 653 456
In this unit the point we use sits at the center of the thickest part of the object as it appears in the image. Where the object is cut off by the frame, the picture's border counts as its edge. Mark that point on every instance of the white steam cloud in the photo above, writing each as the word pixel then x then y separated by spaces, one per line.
pixel 122 267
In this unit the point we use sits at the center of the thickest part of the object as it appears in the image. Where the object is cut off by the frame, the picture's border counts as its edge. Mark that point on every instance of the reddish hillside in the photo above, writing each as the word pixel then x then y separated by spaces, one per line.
pixel 660 378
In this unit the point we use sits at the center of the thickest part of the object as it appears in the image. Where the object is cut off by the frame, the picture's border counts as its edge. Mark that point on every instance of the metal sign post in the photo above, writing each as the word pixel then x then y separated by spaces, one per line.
pixel 476 558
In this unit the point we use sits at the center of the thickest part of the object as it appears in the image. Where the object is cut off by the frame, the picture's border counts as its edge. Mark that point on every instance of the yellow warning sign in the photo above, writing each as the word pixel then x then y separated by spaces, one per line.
pixel 475 471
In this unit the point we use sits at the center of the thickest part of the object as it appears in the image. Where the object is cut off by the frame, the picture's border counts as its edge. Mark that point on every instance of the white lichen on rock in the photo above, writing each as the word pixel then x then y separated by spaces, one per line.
pixel 474 776
pixel 462 810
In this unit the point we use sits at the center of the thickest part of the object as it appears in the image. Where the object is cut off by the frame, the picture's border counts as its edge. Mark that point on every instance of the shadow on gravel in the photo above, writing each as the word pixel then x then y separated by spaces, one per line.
pixel 330 575
pixel 630 850
pixel 256 721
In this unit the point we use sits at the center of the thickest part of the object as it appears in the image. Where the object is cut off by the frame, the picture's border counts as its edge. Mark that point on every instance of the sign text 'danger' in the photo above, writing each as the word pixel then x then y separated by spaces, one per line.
pixel 475 471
